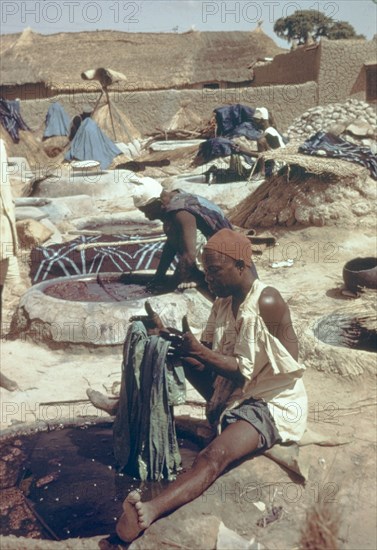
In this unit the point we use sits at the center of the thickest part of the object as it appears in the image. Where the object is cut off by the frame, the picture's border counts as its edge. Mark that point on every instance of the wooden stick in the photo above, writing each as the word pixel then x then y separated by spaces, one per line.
pixel 120 243
pixel 176 545
pixel 111 115
pixel 66 402
pixel 97 103
pixel 30 505
pixel 253 168
pixel 108 291
pixel 85 232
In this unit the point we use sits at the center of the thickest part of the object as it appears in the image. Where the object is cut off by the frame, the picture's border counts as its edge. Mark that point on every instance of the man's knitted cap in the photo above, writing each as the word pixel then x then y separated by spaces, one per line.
pixel 146 190
pixel 232 244
pixel 261 113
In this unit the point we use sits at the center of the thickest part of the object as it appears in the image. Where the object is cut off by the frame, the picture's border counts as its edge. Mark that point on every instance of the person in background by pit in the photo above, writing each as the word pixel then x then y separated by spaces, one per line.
pixel 189 221
pixel 270 139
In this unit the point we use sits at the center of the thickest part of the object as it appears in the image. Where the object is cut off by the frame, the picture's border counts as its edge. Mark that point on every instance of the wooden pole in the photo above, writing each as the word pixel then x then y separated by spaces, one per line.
pixel 96 105
pixel 111 114
pixel 120 243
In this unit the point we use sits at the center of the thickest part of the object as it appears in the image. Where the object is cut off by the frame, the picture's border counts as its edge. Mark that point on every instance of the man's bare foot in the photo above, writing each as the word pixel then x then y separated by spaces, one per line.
pixel 185 286
pixel 100 401
pixel 7 383
pixel 136 517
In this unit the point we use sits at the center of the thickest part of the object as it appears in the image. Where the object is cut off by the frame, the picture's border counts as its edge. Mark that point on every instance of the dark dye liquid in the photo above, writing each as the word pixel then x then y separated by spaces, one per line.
pixel 70 479
pixel 92 291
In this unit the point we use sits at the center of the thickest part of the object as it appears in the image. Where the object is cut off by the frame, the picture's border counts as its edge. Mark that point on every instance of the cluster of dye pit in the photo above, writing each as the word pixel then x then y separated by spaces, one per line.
pixel 63 483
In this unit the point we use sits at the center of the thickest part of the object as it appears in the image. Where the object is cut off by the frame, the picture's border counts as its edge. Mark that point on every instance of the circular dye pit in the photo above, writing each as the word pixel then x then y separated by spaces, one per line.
pixel 63 483
pixel 132 225
pixel 358 333
pixel 225 195
pixel 91 310
pixel 106 184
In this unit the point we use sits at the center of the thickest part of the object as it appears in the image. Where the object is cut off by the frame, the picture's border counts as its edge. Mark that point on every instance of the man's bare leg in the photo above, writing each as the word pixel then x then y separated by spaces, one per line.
pixel 101 401
pixel 200 378
pixel 236 441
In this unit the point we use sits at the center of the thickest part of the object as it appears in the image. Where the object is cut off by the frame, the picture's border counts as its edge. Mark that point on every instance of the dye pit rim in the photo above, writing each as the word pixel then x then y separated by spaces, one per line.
pixel 342 330
pixel 60 323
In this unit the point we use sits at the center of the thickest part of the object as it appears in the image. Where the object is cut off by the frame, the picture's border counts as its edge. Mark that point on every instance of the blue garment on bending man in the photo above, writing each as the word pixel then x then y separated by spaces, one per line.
pixel 209 217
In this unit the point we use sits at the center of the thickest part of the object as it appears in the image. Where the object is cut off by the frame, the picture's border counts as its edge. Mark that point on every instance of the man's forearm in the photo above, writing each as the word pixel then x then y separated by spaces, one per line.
pixel 167 256
pixel 225 365
pixel 184 269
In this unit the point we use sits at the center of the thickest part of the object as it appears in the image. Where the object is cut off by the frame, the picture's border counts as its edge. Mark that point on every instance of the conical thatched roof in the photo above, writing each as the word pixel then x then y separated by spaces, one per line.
pixel 7 40
pixel 124 129
pixel 182 59
pixel 184 119
pixel 28 147
pixel 16 66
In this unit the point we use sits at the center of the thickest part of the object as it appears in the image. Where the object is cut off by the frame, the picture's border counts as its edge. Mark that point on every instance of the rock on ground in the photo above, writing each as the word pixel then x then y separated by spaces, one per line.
pixel 32 233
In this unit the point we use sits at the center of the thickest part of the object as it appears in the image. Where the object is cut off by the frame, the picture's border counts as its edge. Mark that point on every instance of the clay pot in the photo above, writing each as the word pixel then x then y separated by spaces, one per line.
pixel 360 272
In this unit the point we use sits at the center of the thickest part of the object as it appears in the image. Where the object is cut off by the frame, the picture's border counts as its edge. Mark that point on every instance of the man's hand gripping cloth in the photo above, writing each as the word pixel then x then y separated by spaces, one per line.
pixel 145 442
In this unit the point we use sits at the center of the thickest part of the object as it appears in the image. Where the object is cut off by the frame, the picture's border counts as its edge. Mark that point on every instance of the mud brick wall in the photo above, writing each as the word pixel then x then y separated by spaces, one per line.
pixel 336 65
pixel 295 67
pixel 342 73
pixel 151 110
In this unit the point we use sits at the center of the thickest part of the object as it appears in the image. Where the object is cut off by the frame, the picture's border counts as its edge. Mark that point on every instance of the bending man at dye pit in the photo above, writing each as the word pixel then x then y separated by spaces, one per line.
pixel 188 220
pixel 246 368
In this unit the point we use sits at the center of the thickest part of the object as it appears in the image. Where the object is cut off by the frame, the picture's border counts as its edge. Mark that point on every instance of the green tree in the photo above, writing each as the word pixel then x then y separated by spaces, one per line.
pixel 301 25
pixel 341 30
pixel 305 24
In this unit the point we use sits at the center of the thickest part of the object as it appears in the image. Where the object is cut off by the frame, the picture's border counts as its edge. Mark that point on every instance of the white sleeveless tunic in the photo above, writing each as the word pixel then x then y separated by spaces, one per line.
pixel 271 373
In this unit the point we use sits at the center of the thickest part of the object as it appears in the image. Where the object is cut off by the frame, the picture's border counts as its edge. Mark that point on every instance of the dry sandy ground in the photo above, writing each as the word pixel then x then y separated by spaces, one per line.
pixel 340 405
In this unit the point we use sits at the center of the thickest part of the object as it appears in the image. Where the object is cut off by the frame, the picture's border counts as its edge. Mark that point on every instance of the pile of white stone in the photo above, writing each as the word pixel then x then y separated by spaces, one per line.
pixel 354 119
pixel 133 148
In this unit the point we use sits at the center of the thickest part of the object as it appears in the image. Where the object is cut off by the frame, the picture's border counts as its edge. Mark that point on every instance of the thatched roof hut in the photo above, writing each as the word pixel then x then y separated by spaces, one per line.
pixel 124 129
pixel 310 191
pixel 184 119
pixel 16 67
pixel 183 60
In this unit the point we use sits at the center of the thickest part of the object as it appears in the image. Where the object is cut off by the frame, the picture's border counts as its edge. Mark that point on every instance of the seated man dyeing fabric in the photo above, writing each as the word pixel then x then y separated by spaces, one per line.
pixel 271 138
pixel 188 221
pixel 247 371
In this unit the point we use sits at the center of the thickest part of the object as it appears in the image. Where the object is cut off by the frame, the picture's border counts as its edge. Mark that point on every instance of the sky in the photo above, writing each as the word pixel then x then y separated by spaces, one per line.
pixel 54 16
